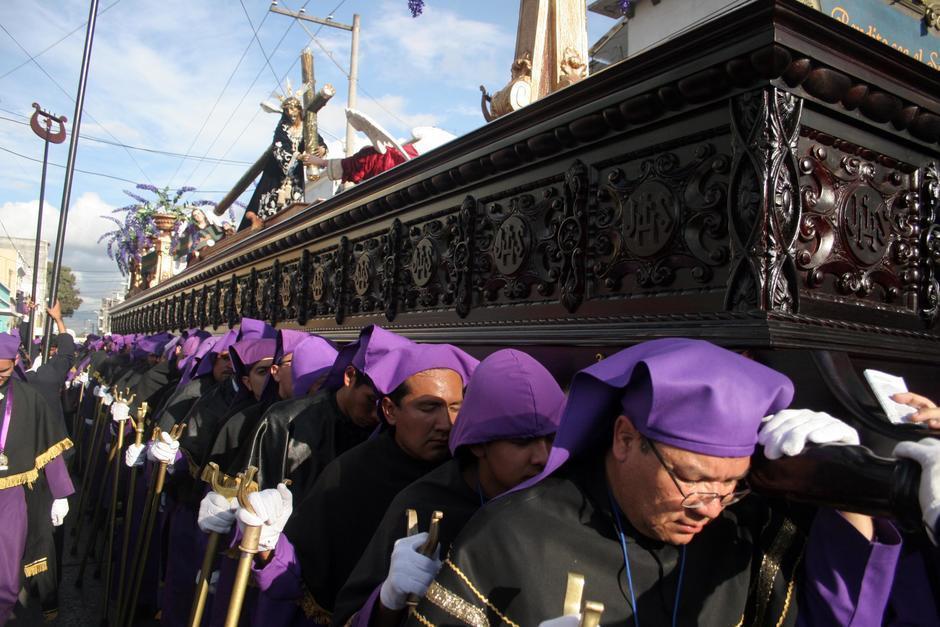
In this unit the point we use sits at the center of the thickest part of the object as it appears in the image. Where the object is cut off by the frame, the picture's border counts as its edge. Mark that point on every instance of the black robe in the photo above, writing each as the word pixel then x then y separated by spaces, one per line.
pixel 179 403
pixel 49 378
pixel 510 562
pixel 299 438
pixel 333 525
pixel 151 383
pixel 442 489
pixel 35 438
pixel 232 442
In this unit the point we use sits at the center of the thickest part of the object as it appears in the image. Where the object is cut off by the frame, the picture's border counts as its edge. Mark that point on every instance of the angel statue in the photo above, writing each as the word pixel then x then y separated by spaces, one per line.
pixel 282 179
pixel 385 152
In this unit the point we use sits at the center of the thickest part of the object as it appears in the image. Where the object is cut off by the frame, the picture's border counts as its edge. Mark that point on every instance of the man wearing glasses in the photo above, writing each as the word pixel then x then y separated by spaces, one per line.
pixel 644 495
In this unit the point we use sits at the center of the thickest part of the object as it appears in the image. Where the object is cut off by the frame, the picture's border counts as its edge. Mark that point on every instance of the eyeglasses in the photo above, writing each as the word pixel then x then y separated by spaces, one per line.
pixel 698 500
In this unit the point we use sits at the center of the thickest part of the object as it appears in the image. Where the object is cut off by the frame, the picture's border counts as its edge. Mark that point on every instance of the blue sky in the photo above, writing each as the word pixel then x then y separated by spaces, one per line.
pixel 187 77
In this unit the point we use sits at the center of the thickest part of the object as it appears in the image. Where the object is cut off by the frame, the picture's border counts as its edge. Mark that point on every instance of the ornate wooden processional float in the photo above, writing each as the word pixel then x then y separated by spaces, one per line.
pixel 768 181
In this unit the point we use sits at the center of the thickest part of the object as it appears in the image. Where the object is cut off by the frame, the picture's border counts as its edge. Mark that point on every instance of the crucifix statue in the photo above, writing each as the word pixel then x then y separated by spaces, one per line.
pixel 295 141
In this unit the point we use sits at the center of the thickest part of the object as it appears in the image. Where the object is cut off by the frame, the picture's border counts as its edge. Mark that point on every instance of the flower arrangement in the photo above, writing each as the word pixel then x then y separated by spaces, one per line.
pixel 144 220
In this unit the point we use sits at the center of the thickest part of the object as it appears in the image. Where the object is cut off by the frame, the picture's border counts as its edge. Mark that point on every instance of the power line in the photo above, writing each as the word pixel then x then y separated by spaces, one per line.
pixel 58 165
pixel 345 72
pixel 277 86
pixel 141 148
pixel 238 106
pixel 216 103
pixel 254 31
pixel 70 97
pixel 101 174
pixel 12 243
pixel 56 43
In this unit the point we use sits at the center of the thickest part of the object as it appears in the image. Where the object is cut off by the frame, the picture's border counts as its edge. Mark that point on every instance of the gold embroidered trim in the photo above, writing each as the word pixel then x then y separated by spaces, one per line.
pixel 786 603
pixel 30 476
pixel 421 618
pixel 770 566
pixel 456 606
pixel 473 589
pixel 52 452
pixel 312 609
pixel 34 568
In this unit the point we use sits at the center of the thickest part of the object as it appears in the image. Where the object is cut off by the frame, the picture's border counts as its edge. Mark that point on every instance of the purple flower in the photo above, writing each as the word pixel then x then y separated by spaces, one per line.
pixel 136 197
pixel 625 6
pixel 183 190
pixel 149 188
pixel 416 7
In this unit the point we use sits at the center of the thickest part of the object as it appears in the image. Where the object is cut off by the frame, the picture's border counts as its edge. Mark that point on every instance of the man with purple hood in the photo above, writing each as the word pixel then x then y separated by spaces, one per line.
pixel 642 495
pixel 421 389
pixel 341 415
pixel 501 438
pixel 301 363
pixel 32 442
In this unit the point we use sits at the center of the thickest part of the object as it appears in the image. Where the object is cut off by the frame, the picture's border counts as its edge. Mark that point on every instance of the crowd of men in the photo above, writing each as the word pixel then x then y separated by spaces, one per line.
pixel 269 477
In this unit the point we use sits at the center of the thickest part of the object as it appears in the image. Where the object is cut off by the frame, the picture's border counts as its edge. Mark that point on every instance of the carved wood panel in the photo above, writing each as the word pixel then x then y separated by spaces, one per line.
pixel 859 232
pixel 661 220
pixel 764 201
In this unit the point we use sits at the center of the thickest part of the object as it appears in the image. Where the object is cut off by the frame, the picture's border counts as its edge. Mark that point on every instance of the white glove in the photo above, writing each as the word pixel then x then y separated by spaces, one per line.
pixel 83 378
pixel 60 509
pixel 107 399
pixel 789 431
pixel 927 454
pixel 409 573
pixel 89 421
pixel 571 620
pixel 97 391
pixel 272 509
pixel 133 456
pixel 120 412
pixel 217 513
pixel 165 450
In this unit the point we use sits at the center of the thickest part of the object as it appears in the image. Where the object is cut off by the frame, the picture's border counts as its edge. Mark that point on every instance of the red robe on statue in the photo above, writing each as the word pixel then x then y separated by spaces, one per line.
pixel 368 162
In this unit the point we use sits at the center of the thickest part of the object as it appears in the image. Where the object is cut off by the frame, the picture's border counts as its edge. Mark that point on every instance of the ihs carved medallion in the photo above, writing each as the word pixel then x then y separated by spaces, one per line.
pixel 859 232
pixel 660 220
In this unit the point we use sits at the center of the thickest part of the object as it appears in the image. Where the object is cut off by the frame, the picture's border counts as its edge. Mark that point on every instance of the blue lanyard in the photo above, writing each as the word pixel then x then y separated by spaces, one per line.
pixel 626 567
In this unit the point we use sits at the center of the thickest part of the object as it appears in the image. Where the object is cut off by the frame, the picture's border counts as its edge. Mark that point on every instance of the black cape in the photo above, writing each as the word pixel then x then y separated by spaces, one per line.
pixel 334 523
pixel 231 445
pixel 179 403
pixel 50 376
pixel 151 383
pixel 298 439
pixel 510 562
pixel 441 489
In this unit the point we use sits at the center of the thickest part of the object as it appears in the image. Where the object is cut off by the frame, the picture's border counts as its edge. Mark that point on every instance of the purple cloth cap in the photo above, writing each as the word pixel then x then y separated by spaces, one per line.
pixel 690 394
pixel 390 368
pixel 153 345
pixel 245 353
pixel 510 395
pixel 313 358
pixel 251 328
pixel 287 341
pixel 189 346
pixel 373 342
pixel 192 363
pixel 221 345
pixel 170 346
pixel 9 346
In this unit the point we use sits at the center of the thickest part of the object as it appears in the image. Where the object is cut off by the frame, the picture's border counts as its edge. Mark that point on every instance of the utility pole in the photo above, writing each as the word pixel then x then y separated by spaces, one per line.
pixel 353 58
